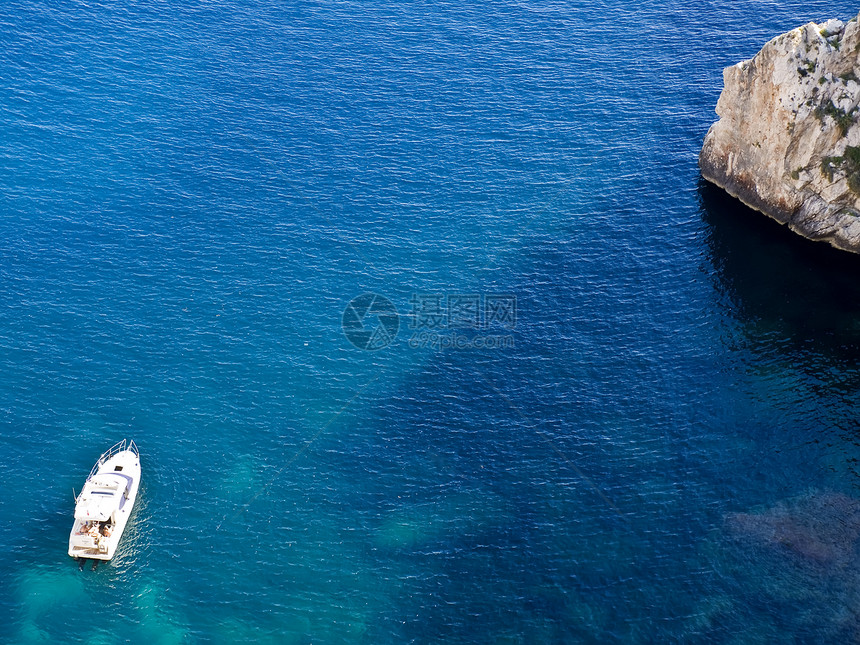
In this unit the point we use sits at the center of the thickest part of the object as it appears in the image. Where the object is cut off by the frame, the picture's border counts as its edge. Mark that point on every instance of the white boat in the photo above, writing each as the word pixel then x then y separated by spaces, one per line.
pixel 104 505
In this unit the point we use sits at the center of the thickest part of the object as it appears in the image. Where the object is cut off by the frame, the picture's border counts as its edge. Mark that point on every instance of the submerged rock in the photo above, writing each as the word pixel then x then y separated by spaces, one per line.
pixel 821 529
pixel 788 142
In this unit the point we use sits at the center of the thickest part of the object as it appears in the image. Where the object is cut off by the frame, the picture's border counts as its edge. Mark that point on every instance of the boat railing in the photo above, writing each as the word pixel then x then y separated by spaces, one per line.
pixel 110 452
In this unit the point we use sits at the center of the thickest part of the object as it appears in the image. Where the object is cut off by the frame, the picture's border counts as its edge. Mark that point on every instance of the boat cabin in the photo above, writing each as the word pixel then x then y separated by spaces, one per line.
pixel 95 512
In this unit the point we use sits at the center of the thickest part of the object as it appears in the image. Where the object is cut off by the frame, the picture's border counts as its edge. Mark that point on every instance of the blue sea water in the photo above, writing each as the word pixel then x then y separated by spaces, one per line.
pixel 192 193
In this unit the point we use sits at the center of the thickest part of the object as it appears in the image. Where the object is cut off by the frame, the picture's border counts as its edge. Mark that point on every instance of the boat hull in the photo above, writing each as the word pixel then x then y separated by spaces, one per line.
pixel 107 499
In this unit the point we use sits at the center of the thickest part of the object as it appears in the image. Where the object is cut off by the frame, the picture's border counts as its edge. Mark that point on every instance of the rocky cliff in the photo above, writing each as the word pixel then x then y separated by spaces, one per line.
pixel 788 140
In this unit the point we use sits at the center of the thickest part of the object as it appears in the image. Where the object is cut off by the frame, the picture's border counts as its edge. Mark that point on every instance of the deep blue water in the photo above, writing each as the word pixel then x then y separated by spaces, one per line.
pixel 192 193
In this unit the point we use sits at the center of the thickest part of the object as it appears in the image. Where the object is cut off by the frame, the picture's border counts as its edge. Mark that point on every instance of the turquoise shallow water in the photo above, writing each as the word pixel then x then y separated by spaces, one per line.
pixel 191 195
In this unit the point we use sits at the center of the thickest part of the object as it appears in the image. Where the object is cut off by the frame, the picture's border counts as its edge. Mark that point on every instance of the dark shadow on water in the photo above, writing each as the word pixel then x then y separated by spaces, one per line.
pixel 792 308
pixel 803 295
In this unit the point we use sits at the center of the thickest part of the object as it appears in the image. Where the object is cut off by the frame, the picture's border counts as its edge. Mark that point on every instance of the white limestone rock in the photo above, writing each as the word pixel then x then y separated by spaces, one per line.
pixel 788 142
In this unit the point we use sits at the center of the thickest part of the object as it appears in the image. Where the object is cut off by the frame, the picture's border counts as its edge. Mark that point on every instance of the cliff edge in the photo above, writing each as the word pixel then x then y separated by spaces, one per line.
pixel 788 140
